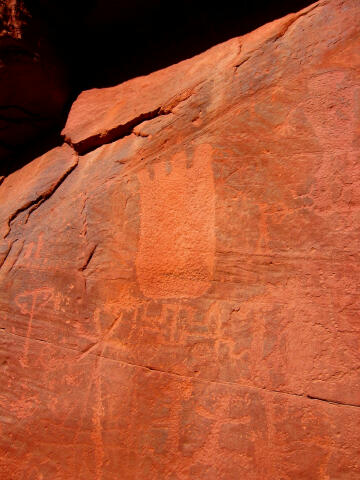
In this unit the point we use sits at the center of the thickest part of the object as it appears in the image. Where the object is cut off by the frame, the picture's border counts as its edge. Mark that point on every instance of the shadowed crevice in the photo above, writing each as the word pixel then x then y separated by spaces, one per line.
pixel 91 143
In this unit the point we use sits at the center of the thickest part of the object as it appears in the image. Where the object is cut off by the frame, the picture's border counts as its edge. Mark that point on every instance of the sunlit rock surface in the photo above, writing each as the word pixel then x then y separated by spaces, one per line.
pixel 179 282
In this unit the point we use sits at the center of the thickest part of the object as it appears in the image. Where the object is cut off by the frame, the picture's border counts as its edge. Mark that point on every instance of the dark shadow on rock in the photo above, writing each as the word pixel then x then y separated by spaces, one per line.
pixel 66 47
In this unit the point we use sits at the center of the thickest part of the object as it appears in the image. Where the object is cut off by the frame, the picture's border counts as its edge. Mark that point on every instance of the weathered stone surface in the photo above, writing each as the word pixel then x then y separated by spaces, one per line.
pixel 179 290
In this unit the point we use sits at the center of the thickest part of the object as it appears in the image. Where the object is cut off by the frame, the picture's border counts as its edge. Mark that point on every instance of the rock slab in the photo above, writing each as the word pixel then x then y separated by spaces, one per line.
pixel 179 280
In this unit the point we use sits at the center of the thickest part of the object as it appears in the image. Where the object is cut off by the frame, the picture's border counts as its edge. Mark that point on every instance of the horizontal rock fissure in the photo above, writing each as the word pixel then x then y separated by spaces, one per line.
pixel 333 402
pixel 299 395
pixel 89 351
pixel 92 143
pixel 114 134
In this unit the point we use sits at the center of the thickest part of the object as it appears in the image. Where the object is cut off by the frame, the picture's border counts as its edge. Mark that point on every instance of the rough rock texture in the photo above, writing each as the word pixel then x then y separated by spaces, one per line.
pixel 179 281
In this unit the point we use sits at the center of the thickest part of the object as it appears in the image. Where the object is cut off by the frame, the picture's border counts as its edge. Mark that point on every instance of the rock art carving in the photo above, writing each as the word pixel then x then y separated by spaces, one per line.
pixel 177 226
pixel 331 109
pixel 179 299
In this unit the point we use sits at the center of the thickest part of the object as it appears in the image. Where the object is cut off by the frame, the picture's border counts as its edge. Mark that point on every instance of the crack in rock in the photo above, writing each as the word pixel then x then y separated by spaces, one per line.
pixel 34 204
pixel 89 350
pixel 121 131
pixel 95 141
pixel 88 258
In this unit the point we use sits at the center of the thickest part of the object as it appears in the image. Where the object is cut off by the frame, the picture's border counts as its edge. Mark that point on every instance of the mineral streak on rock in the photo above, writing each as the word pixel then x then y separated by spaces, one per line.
pixel 179 280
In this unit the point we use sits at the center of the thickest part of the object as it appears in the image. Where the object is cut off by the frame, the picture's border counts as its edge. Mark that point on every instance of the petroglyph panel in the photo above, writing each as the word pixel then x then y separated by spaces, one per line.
pixel 177 215
pixel 183 302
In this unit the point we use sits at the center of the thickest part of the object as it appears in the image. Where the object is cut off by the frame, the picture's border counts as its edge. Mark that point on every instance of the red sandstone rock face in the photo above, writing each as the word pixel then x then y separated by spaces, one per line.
pixel 182 302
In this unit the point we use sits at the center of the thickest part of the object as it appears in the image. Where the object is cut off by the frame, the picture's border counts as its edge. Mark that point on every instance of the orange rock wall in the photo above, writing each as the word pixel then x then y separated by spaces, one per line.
pixel 179 281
